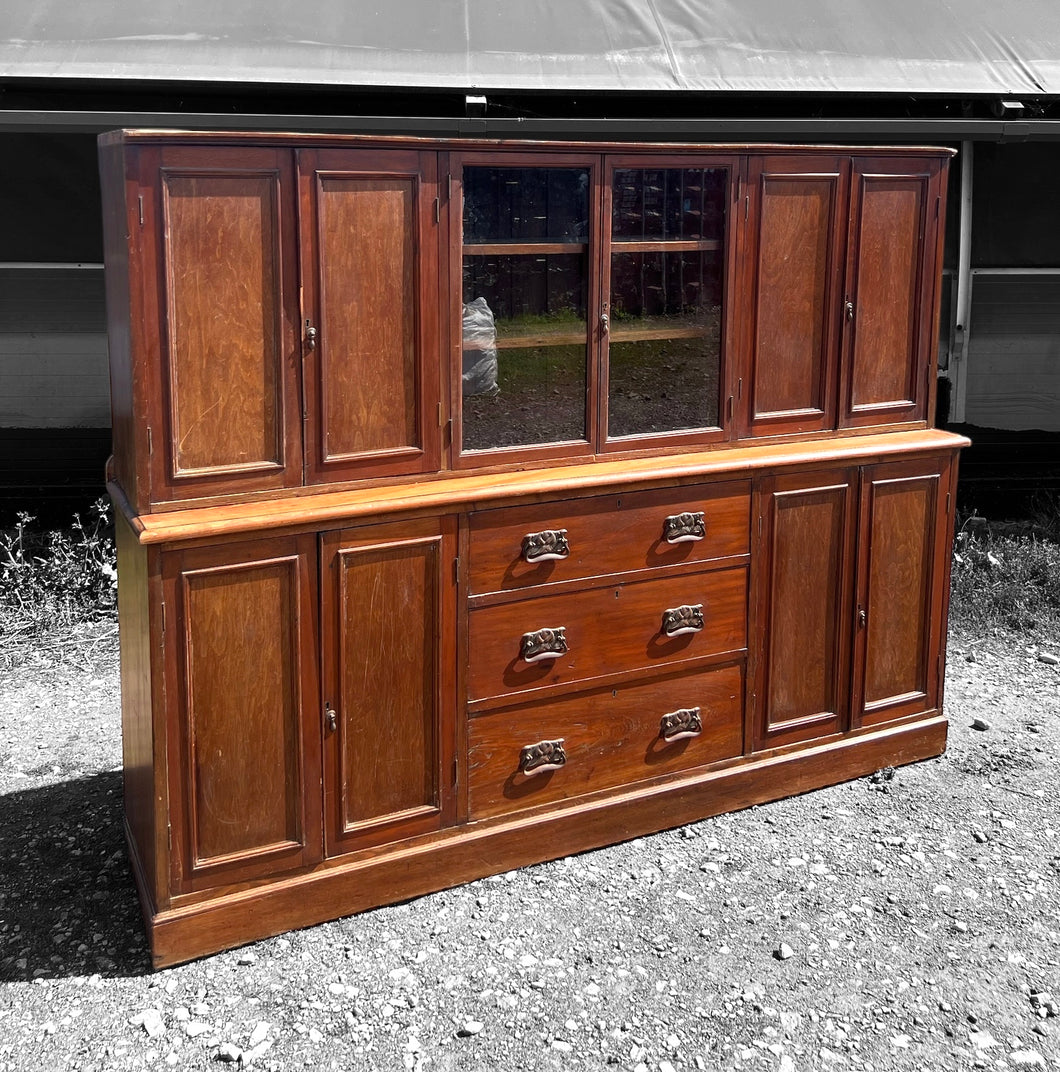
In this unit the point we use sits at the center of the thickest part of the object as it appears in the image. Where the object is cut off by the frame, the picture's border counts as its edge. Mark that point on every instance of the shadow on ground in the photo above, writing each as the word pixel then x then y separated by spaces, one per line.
pixel 68 906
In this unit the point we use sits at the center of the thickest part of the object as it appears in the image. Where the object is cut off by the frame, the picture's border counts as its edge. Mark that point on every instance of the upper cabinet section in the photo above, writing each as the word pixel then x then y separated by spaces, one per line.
pixel 292 310
pixel 273 317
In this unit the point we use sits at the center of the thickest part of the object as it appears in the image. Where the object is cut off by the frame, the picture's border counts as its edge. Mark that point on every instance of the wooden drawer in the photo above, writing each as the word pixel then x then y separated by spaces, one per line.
pixel 607 630
pixel 611 737
pixel 607 534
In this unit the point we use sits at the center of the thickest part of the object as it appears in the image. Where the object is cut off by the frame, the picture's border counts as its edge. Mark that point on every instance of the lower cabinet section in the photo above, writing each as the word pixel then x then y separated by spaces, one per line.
pixel 335 717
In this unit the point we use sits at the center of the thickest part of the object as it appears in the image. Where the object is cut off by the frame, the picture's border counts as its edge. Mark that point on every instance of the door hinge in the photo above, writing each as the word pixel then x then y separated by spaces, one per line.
pixel 141 200
pixel 437 210
pixel 456 772
pixel 938 203
pixel 150 441
pixel 456 571
pixel 163 619
pixel 947 502
pixel 449 188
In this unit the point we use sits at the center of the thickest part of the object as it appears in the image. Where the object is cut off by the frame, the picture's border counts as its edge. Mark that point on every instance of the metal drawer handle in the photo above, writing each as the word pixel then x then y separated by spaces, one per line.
pixel 678 725
pixel 542 757
pixel 680 620
pixel 688 527
pixel 544 644
pixel 545 546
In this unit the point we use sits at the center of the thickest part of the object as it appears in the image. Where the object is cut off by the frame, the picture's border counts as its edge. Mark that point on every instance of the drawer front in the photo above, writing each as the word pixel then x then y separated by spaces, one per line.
pixel 605 630
pixel 607 534
pixel 610 738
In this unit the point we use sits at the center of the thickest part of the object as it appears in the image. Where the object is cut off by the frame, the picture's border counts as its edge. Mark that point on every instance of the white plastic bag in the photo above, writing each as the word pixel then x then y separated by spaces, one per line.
pixel 480 349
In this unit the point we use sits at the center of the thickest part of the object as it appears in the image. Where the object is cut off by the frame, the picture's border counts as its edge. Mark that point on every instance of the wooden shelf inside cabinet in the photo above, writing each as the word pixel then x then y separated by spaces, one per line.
pixel 645 330
pixel 516 249
pixel 664 245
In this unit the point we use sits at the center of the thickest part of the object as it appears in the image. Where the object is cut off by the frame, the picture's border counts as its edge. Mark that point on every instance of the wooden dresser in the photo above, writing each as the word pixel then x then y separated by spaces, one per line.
pixel 481 503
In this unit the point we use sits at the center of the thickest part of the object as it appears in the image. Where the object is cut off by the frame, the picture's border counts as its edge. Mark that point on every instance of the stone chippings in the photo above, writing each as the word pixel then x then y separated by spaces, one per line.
pixel 909 920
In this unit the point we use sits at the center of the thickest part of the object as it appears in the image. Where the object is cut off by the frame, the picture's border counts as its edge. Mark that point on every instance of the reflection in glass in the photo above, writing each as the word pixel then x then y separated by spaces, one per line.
pixel 667 271
pixel 525 289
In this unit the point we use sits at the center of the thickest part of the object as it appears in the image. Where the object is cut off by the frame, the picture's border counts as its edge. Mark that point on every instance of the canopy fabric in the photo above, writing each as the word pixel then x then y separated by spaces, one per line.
pixel 937 47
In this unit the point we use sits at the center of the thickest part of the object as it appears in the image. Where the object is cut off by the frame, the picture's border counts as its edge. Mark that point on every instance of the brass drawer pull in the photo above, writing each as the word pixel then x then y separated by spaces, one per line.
pixel 678 725
pixel 548 545
pixel 542 757
pixel 544 644
pixel 688 527
pixel 680 620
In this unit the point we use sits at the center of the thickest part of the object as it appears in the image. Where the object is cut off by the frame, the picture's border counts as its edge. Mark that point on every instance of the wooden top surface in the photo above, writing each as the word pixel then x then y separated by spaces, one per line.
pixel 470 142
pixel 481 490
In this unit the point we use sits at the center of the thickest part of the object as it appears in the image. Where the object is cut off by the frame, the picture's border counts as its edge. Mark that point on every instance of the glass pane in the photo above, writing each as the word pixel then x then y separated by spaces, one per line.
pixel 667 273
pixel 525 288
pixel 668 203
pixel 526 204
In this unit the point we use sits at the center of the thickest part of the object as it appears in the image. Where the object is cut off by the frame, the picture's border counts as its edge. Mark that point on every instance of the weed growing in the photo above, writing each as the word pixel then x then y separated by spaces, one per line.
pixel 1005 577
pixel 54 579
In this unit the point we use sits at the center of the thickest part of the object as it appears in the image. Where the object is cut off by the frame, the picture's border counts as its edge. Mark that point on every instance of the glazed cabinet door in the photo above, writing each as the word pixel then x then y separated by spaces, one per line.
pixel 370 312
pixel 903 572
pixel 804 580
pixel 389 624
pixel 218 335
pixel 796 212
pixel 890 297
pixel 240 644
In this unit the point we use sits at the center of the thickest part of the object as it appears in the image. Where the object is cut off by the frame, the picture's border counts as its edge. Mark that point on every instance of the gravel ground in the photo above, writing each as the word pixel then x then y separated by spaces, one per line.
pixel 910 920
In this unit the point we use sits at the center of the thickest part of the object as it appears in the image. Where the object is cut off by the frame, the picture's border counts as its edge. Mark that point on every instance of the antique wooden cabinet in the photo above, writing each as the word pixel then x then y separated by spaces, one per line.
pixel 479 503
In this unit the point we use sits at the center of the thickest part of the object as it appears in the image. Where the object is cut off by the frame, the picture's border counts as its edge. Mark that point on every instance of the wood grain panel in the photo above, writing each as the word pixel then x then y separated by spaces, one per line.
pixel 371 295
pixel 793 262
pixel 804 606
pixel 368 313
pixel 611 737
pixel 608 534
pixel 225 330
pixel 887 290
pixel 245 639
pixel 901 589
pixel 791 282
pixel 609 629
pixel 388 655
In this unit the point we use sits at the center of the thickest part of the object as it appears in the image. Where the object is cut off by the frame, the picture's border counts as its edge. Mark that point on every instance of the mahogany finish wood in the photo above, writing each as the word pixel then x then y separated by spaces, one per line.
pixel 241 653
pixel 803 599
pixel 795 254
pixel 370 333
pixel 326 691
pixel 607 534
pixel 224 387
pixel 611 738
pixel 891 288
pixel 901 588
pixel 611 628
pixel 389 627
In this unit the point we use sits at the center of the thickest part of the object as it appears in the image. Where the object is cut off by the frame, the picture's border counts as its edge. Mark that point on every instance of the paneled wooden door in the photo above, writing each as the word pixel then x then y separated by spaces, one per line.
pixel 804 583
pixel 240 643
pixel 903 569
pixel 389 652
pixel 370 296
pixel 223 370
pixel 795 211
pixel 889 296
